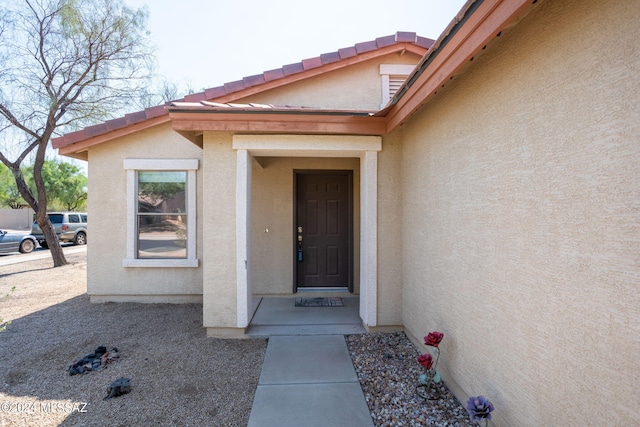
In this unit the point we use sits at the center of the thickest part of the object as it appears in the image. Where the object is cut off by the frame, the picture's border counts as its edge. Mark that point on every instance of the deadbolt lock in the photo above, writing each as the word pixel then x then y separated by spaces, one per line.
pixel 299 229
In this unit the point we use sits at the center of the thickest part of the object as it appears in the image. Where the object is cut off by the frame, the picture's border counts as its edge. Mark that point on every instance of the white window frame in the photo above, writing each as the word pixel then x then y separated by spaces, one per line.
pixel 388 70
pixel 132 166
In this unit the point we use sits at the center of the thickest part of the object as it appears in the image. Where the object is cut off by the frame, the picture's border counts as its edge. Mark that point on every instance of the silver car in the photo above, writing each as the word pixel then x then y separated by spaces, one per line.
pixel 11 241
pixel 69 227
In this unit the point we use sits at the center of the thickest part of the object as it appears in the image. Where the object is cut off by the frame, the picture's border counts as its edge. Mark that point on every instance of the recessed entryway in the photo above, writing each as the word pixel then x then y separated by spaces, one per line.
pixel 364 148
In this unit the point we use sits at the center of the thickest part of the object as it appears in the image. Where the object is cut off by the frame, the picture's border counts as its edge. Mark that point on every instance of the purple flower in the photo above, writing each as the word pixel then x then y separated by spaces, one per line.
pixel 479 408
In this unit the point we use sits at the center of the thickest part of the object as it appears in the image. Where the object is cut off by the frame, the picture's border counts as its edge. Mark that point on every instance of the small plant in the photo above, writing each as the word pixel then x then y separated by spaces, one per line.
pixel 479 408
pixel 3 325
pixel 12 290
pixel 426 360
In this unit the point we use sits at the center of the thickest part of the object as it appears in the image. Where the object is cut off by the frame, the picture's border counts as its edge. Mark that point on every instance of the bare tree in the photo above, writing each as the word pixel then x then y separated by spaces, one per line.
pixel 64 64
pixel 162 91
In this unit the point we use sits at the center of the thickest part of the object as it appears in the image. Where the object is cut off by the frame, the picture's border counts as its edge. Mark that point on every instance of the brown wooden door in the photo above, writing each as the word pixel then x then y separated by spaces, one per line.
pixel 323 257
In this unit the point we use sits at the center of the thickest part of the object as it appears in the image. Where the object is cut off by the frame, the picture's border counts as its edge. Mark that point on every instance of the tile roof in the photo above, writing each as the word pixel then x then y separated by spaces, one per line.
pixel 237 86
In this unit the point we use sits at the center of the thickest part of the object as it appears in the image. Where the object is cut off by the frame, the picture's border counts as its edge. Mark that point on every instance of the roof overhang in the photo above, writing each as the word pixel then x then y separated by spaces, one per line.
pixel 77 146
pixel 192 119
pixel 478 22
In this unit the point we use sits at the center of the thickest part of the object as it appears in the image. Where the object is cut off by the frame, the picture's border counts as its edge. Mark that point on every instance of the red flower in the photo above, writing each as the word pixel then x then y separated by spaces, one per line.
pixel 433 339
pixel 426 360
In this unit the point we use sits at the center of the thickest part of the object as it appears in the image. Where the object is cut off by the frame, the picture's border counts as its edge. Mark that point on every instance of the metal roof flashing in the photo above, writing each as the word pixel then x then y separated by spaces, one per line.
pixel 235 108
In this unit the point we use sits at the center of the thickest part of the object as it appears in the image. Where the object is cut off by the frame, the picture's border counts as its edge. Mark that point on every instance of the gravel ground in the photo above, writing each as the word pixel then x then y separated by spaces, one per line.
pixel 388 372
pixel 178 375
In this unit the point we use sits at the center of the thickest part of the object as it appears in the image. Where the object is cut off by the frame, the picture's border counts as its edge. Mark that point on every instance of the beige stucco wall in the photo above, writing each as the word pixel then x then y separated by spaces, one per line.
pixel 272 209
pixel 521 185
pixel 107 279
pixel 355 87
pixel 219 230
pixel 390 231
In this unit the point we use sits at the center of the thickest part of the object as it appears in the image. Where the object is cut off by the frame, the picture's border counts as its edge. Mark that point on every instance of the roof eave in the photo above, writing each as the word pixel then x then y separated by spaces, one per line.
pixel 206 107
pixel 78 149
pixel 478 23
pixel 191 124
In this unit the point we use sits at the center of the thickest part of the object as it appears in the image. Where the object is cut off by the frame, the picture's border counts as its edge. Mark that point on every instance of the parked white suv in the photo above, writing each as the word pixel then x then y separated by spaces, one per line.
pixel 69 227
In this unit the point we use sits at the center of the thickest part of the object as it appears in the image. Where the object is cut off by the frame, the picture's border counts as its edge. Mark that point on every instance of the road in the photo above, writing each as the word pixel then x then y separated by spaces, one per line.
pixel 38 254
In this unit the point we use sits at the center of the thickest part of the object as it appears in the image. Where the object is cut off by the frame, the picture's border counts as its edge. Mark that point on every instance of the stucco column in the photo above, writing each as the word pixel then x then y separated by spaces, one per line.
pixel 369 237
pixel 243 241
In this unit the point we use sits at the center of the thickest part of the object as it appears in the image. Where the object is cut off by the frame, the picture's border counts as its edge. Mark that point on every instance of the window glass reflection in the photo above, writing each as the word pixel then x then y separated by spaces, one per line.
pixel 161 192
pixel 162 218
pixel 162 237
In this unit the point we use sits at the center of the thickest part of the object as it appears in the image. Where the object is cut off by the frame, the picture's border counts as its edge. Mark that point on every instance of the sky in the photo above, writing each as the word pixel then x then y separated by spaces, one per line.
pixel 206 43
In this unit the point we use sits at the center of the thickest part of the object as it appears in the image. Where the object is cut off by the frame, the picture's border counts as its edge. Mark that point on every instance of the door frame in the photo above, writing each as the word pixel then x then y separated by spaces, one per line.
pixel 350 230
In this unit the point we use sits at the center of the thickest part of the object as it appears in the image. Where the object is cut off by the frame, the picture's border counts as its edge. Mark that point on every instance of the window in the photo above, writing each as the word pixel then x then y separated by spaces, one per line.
pixel 56 218
pixel 393 76
pixel 74 219
pixel 161 213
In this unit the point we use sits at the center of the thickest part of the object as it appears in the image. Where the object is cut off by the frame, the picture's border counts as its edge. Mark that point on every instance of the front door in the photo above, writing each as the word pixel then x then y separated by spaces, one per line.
pixel 323 229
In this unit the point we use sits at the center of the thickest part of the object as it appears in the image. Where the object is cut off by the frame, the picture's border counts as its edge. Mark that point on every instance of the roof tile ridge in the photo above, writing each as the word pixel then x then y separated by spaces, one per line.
pixel 311 63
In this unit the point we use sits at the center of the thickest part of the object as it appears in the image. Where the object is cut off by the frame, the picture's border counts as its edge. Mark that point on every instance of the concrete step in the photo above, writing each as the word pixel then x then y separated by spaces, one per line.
pixel 327 329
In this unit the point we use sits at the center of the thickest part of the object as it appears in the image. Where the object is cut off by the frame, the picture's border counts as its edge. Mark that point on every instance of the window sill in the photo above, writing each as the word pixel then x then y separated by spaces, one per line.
pixel 160 263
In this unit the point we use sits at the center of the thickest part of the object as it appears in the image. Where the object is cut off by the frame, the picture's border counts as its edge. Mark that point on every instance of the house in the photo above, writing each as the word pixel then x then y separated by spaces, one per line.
pixel 494 197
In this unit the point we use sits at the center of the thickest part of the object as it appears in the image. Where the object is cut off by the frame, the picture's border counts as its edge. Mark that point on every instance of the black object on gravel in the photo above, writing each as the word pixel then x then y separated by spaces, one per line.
pixel 118 388
pixel 93 361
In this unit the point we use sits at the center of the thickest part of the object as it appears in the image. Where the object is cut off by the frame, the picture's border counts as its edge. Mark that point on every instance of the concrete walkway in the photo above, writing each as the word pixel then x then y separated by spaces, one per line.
pixel 38 254
pixel 307 378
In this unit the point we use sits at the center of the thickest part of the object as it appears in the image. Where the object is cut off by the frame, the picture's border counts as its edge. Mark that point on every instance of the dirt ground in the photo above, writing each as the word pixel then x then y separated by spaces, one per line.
pixel 178 375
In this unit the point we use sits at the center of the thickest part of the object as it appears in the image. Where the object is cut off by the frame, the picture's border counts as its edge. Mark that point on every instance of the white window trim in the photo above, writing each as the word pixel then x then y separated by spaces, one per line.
pixel 387 70
pixel 134 165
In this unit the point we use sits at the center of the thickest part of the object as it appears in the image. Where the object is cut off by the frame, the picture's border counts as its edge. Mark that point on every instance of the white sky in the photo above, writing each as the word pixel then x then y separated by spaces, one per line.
pixel 205 43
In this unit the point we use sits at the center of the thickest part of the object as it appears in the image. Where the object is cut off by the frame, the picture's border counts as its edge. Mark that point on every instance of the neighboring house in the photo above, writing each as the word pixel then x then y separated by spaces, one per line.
pixel 495 198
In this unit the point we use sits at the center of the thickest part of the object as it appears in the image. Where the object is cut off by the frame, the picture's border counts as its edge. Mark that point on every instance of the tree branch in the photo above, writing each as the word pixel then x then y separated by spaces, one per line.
pixel 6 113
